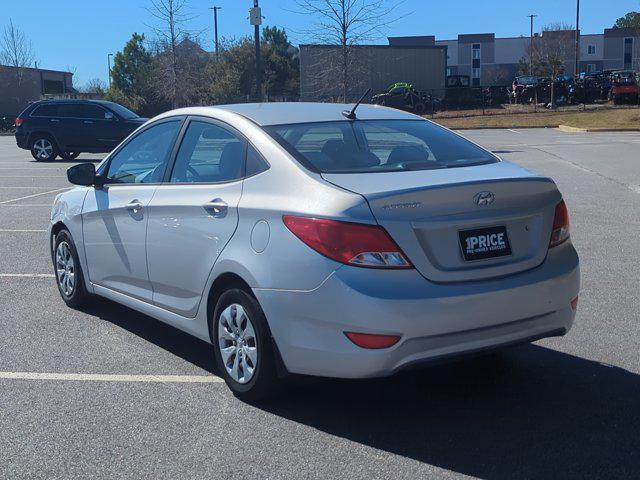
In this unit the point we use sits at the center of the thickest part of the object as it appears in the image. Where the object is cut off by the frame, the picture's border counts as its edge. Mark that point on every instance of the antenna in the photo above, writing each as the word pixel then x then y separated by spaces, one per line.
pixel 352 114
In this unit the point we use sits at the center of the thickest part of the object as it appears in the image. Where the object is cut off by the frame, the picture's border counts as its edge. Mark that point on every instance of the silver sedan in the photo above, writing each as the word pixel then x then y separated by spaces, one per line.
pixel 311 239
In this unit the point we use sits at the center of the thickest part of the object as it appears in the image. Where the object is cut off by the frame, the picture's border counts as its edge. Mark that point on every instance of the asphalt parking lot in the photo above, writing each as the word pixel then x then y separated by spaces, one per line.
pixel 561 408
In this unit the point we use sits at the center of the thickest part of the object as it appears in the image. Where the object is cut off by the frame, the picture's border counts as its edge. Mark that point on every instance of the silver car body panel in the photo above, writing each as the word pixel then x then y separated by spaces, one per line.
pixel 439 308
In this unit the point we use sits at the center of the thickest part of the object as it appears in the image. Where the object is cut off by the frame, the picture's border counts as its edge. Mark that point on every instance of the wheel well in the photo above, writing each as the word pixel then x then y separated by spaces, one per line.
pixel 43 133
pixel 224 282
pixel 56 229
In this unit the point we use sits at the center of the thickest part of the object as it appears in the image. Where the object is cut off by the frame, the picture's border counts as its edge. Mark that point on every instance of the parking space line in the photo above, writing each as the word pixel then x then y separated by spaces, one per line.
pixel 34 195
pixel 99 377
pixel 25 230
pixel 22 188
pixel 26 205
pixel 27 275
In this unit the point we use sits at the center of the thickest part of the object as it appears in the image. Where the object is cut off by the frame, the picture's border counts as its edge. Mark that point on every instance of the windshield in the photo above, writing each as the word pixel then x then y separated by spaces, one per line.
pixel 123 112
pixel 377 146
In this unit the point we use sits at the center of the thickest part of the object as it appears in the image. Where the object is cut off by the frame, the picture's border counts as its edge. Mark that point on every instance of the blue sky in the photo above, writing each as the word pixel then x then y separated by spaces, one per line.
pixel 78 34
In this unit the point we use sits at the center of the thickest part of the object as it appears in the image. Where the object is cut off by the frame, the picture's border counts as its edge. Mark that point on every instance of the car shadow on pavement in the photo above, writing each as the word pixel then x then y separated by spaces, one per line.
pixel 171 339
pixel 524 412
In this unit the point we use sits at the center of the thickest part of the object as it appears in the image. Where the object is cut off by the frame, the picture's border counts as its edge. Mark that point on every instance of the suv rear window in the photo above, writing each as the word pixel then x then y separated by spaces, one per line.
pixel 377 146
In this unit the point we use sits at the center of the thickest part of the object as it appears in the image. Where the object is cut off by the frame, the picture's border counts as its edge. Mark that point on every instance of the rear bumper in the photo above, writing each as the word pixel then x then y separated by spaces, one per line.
pixel 22 139
pixel 434 320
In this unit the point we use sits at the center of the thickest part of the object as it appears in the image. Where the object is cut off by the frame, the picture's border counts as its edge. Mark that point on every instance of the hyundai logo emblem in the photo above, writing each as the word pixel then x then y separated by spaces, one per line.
pixel 484 198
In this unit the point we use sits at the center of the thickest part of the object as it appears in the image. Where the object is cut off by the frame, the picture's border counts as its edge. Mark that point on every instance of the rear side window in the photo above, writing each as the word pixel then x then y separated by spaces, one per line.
pixel 378 146
pixel 208 153
pixel 45 110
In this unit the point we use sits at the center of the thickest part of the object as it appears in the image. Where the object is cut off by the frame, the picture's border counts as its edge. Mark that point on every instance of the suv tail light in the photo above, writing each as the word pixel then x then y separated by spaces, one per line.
pixel 354 244
pixel 560 232
pixel 18 122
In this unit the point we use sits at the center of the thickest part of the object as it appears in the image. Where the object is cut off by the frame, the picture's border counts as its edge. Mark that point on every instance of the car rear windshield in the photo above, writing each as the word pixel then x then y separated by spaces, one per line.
pixel 377 146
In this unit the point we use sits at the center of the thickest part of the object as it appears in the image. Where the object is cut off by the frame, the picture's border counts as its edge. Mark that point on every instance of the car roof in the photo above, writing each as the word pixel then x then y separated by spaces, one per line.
pixel 279 113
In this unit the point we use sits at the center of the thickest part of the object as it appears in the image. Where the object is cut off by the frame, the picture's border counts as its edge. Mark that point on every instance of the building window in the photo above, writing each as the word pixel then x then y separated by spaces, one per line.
pixel 628 53
pixel 475 51
pixel 449 71
pixel 591 49
pixel 591 67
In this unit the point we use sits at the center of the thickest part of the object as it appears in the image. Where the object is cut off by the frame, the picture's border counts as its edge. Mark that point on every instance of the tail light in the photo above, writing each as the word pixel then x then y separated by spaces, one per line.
pixel 372 341
pixel 560 232
pixel 18 122
pixel 349 243
pixel 574 304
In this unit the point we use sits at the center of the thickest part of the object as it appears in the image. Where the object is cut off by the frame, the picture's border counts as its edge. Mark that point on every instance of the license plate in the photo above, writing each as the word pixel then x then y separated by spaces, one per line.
pixel 483 243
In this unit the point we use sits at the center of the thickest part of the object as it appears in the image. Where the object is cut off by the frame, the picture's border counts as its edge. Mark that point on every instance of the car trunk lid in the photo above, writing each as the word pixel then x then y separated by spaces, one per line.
pixel 431 213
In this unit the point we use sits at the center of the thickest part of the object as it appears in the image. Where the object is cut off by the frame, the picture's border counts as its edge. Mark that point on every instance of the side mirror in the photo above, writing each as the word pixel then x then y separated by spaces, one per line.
pixel 109 116
pixel 82 174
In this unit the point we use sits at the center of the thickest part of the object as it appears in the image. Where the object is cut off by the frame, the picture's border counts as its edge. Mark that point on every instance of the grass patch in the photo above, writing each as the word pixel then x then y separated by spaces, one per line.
pixel 618 118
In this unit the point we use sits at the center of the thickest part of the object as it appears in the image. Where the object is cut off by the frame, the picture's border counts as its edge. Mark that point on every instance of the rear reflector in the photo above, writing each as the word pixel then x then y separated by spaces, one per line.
pixel 574 304
pixel 354 244
pixel 371 341
pixel 18 122
pixel 560 231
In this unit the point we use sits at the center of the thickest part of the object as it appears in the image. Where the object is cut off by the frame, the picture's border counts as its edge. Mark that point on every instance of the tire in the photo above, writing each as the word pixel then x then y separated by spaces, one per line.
pixel 69 155
pixel 251 378
pixel 43 148
pixel 68 271
pixel 419 108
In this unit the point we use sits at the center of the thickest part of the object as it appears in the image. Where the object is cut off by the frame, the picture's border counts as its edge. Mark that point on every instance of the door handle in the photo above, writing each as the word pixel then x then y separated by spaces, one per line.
pixel 87 122
pixel 55 120
pixel 134 206
pixel 218 206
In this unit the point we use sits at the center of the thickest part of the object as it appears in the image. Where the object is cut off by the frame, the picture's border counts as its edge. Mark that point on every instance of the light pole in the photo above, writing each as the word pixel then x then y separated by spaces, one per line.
pixel 575 72
pixel 215 25
pixel 255 18
pixel 531 17
pixel 109 63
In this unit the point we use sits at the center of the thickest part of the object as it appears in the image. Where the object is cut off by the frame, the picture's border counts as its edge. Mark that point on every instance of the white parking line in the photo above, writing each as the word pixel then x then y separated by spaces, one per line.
pixel 26 205
pixel 99 377
pixel 514 131
pixel 27 275
pixel 22 188
pixel 34 195
pixel 9 230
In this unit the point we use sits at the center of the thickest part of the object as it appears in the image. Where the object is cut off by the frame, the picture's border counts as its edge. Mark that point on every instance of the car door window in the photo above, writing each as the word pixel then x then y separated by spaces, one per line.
pixel 93 112
pixel 144 158
pixel 209 153
pixel 69 110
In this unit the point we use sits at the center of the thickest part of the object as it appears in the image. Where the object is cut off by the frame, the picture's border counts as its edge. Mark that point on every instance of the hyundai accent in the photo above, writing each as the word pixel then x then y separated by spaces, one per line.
pixel 317 239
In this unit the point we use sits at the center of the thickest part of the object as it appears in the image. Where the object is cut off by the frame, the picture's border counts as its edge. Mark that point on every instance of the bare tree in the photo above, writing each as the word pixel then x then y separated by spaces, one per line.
pixel 345 23
pixel 171 17
pixel 16 51
pixel 15 48
pixel 551 51
pixel 96 86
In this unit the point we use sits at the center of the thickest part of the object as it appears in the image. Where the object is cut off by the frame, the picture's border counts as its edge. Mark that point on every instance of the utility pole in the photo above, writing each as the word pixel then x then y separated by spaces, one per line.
pixel 255 18
pixel 215 25
pixel 531 17
pixel 109 63
pixel 575 72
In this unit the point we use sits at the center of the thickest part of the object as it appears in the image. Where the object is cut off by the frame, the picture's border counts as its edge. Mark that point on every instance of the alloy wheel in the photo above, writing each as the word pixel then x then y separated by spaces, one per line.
pixel 65 269
pixel 43 148
pixel 237 343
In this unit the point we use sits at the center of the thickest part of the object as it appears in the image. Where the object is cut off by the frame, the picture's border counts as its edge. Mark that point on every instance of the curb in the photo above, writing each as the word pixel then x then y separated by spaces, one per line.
pixel 570 129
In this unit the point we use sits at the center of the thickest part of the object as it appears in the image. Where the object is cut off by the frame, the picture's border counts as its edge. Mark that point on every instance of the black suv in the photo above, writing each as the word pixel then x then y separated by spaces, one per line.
pixel 68 127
